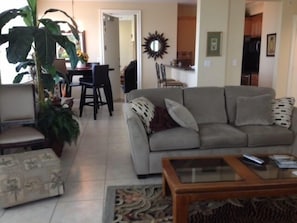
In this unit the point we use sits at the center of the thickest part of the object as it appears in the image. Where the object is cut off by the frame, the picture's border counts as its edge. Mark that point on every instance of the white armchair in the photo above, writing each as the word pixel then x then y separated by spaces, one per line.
pixel 18 117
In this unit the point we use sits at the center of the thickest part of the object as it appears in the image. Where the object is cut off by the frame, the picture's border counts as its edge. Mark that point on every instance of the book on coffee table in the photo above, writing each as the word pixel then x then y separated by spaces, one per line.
pixel 285 161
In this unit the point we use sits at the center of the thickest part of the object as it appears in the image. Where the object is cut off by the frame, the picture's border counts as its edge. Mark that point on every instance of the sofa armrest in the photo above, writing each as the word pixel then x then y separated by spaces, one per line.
pixel 294 129
pixel 139 141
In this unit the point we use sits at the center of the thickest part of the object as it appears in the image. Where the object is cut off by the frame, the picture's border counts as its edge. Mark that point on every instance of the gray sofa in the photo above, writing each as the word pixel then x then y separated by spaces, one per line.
pixel 215 110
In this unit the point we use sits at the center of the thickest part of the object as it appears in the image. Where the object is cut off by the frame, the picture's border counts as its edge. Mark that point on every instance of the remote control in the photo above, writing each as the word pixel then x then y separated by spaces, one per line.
pixel 253 158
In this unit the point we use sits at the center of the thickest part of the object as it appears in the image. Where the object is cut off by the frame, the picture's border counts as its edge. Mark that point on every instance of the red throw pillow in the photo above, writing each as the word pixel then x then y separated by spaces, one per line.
pixel 162 120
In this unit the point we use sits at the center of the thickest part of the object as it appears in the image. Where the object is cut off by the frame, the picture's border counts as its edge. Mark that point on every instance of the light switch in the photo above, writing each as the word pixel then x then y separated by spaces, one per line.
pixel 207 63
pixel 234 62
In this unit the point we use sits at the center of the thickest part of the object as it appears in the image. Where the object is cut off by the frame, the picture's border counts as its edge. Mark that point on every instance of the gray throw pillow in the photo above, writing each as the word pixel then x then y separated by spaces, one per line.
pixel 181 115
pixel 255 110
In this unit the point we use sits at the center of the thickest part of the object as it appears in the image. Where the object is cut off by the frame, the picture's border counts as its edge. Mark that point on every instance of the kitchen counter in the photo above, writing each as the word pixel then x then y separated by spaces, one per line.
pixel 188 68
pixel 186 75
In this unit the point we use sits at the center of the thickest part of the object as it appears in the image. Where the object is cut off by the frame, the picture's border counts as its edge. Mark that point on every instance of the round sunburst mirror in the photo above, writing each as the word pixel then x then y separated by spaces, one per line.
pixel 155 45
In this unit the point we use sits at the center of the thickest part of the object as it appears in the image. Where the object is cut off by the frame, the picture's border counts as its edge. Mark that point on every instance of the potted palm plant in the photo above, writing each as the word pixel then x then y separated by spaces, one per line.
pixel 40 36
pixel 58 122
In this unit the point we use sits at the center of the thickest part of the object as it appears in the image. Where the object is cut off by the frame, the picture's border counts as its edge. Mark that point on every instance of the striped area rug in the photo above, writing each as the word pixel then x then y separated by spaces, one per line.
pixel 145 204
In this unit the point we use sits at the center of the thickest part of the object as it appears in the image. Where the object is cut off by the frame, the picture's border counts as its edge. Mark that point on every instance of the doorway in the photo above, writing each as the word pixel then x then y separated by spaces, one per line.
pixel 136 38
pixel 271 23
pixel 251 49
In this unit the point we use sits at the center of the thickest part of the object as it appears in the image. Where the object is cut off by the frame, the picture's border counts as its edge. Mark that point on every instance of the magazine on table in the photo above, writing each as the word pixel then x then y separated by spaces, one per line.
pixel 285 161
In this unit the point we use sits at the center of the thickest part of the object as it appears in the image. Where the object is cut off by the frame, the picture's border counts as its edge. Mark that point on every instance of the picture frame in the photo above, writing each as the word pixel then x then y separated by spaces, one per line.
pixel 271 44
pixel 80 45
pixel 213 45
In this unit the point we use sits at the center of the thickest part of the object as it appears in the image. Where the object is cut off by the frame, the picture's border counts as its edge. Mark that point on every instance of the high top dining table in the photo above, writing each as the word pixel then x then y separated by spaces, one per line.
pixel 85 72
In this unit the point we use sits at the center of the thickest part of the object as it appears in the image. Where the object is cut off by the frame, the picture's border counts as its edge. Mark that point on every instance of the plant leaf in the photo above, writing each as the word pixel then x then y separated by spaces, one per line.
pixel 63 12
pixel 19 77
pixel 24 65
pixel 48 81
pixel 52 26
pixel 3 38
pixel 45 45
pixel 33 8
pixel 69 47
pixel 26 13
pixel 8 15
pixel 20 43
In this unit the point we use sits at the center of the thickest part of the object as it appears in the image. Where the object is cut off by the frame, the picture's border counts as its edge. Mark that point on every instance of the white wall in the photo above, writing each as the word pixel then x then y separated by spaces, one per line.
pixel 270 24
pixel 212 15
pixel 235 42
pixel 284 47
pixel 224 16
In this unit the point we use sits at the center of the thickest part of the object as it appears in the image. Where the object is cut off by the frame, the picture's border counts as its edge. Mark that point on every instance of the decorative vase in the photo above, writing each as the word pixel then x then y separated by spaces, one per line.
pixel 81 64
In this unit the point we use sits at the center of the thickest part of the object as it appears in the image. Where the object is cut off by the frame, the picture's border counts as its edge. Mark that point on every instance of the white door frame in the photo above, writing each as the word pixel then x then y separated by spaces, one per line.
pixel 138 32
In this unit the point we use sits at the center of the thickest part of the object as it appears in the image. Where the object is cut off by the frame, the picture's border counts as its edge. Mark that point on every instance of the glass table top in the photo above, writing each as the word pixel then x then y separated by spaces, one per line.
pixel 204 170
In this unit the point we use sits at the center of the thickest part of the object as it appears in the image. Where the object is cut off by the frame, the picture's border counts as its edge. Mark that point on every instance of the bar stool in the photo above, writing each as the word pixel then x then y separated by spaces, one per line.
pixel 169 82
pixel 161 80
pixel 159 83
pixel 100 80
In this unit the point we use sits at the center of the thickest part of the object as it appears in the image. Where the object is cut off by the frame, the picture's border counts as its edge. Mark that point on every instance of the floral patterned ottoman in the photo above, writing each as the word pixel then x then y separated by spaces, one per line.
pixel 29 176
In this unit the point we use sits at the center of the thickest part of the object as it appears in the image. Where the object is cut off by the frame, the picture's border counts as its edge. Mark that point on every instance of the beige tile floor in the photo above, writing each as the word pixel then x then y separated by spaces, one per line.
pixel 100 158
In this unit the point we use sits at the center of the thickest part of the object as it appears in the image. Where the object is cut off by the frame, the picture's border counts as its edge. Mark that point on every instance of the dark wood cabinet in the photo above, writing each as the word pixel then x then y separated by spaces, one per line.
pixel 186 36
pixel 253 26
pixel 250 79
pixel 247 26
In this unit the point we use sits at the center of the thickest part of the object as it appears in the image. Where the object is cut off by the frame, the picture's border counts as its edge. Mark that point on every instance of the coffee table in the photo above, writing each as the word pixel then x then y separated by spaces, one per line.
pixel 216 178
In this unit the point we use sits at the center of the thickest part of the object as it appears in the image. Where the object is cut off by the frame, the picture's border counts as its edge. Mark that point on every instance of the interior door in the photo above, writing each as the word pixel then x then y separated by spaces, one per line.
pixel 112 52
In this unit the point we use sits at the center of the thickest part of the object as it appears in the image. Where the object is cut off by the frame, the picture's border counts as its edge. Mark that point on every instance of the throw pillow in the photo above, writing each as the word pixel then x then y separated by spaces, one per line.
pixel 255 110
pixel 161 120
pixel 282 109
pixel 181 114
pixel 145 109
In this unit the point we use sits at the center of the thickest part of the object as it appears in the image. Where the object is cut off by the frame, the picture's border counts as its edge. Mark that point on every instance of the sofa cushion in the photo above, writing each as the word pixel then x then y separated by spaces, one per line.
pixel 174 139
pixel 267 135
pixel 157 95
pixel 220 136
pixel 255 110
pixel 232 92
pixel 282 109
pixel 207 104
pixel 181 114
pixel 145 110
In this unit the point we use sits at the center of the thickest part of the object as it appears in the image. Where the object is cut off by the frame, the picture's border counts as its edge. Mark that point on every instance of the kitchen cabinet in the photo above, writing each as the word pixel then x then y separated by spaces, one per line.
pixel 247 26
pixel 253 25
pixel 186 36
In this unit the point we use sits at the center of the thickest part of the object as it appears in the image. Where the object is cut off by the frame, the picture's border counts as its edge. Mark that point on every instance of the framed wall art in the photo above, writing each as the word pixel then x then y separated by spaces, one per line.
pixel 271 43
pixel 213 44
pixel 80 45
